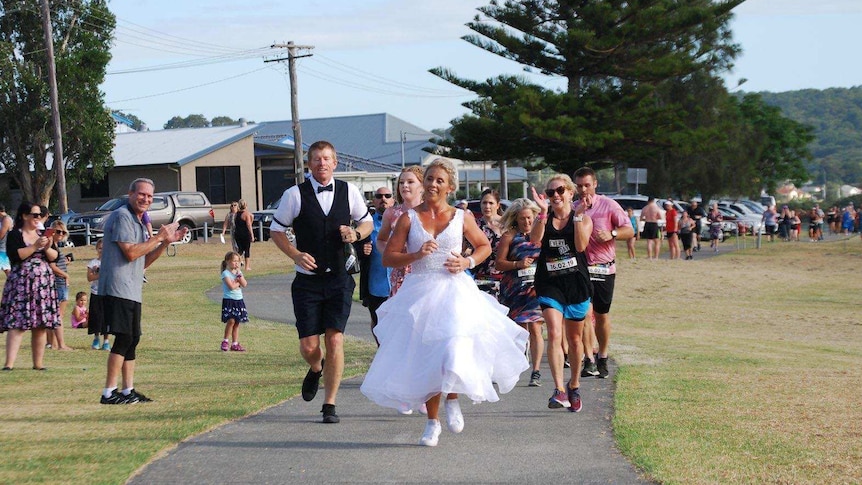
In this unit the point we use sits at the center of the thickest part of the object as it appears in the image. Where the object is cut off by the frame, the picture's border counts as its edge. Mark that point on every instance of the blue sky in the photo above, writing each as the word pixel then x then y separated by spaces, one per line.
pixel 373 56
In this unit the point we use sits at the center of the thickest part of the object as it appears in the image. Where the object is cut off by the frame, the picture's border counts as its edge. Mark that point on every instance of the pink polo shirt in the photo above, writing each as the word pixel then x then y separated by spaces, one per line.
pixel 607 214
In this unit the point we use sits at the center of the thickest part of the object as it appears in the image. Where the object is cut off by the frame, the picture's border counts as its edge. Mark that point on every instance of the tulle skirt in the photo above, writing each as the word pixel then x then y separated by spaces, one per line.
pixel 440 334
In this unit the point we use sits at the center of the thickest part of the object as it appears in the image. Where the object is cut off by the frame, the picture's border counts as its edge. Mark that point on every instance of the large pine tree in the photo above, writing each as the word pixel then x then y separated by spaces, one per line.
pixel 614 56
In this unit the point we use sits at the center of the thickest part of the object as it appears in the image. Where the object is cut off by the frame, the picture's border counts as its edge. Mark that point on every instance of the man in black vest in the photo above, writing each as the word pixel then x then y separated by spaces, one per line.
pixel 321 210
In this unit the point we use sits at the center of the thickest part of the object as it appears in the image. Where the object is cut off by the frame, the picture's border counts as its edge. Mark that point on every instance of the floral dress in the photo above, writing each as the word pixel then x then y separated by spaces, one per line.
pixel 487 277
pixel 29 298
pixel 396 276
pixel 516 287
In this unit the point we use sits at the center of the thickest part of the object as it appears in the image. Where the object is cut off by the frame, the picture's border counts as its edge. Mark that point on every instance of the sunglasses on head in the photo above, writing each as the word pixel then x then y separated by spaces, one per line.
pixel 382 196
pixel 559 191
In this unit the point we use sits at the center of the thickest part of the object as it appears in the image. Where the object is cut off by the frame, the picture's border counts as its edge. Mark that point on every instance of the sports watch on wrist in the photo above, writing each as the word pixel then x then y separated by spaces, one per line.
pixel 614 233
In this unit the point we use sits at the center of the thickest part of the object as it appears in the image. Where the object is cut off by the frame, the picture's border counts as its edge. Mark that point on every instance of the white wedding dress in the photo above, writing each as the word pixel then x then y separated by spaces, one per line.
pixel 439 333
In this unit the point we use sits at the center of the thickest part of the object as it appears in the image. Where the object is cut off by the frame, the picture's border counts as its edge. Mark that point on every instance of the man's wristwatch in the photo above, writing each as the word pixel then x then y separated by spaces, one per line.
pixel 614 233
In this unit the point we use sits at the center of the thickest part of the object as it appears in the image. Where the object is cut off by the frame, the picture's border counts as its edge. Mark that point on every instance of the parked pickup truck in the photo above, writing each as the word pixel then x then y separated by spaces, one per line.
pixel 190 209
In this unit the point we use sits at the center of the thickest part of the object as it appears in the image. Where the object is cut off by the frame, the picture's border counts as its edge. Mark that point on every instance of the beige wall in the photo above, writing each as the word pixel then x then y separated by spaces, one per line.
pixel 238 153
pixel 118 184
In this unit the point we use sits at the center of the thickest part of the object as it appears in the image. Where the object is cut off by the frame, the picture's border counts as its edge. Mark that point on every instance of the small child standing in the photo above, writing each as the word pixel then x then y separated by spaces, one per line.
pixel 233 311
pixel 80 313
pixel 96 322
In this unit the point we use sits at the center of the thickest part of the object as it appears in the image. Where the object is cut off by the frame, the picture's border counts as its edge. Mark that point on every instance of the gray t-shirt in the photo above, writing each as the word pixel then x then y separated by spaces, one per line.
pixel 118 276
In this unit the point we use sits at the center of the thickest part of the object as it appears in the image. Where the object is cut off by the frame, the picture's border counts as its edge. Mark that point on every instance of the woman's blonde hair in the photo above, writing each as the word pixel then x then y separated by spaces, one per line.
pixel 60 225
pixel 567 181
pixel 242 204
pixel 510 217
pixel 446 165
pixel 416 170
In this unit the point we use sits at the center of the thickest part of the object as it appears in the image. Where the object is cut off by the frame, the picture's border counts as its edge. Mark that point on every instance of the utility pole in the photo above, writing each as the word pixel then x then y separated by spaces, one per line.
pixel 59 165
pixel 299 174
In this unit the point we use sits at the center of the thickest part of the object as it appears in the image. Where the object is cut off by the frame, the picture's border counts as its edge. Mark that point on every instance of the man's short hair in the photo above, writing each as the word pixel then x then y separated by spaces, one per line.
pixel 322 145
pixel 584 171
pixel 133 187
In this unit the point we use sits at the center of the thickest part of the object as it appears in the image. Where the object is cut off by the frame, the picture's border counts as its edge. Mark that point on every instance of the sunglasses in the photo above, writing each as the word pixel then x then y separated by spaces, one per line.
pixel 382 196
pixel 36 214
pixel 559 191
pixel 62 233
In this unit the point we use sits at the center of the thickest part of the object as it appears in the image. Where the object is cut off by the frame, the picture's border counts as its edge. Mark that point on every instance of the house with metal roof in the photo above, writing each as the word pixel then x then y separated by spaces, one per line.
pixel 217 161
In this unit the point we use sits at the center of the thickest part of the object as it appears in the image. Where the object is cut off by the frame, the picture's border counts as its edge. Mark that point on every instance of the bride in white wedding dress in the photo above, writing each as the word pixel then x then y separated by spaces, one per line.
pixel 439 334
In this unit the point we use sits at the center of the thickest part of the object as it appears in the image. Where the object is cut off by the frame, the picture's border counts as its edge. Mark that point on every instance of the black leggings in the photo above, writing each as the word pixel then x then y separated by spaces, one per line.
pixel 125 345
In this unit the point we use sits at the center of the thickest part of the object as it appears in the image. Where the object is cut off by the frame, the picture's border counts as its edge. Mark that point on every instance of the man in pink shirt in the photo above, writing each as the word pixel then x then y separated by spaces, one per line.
pixel 610 223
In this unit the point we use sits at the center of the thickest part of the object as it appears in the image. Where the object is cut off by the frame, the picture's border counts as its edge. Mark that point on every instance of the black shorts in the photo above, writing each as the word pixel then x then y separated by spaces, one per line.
pixel 686 240
pixel 650 230
pixel 603 292
pixel 121 316
pixel 95 322
pixel 321 302
pixel 243 246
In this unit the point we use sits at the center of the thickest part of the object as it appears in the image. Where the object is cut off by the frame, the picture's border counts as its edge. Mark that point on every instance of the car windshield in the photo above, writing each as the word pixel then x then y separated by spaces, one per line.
pixel 112 204
pixel 273 205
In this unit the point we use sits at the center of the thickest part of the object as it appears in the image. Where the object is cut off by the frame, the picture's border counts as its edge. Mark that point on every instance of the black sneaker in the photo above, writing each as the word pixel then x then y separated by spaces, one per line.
pixel 141 397
pixel 566 361
pixel 115 398
pixel 311 383
pixel 535 379
pixel 589 369
pixel 602 365
pixel 132 398
pixel 329 415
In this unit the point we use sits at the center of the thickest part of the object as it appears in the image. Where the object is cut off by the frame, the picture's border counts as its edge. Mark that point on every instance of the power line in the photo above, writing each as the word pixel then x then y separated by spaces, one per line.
pixel 187 88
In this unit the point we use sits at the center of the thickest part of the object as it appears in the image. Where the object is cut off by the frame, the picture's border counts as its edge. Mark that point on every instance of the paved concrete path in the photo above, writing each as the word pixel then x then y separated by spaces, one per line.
pixel 516 440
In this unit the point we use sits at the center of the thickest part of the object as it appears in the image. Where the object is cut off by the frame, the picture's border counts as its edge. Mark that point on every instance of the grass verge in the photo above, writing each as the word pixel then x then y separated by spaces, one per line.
pixel 55 430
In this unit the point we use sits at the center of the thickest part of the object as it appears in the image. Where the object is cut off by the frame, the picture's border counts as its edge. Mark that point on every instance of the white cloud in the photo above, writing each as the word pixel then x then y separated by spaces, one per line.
pixel 798 7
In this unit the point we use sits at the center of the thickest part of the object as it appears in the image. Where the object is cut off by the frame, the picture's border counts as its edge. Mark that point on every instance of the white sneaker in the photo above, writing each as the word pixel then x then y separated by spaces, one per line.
pixel 423 409
pixel 431 434
pixel 404 408
pixel 454 418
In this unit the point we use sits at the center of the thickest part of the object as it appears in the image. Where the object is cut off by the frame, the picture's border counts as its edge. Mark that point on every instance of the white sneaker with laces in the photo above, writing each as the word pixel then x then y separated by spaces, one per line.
pixel 431 434
pixel 404 408
pixel 454 418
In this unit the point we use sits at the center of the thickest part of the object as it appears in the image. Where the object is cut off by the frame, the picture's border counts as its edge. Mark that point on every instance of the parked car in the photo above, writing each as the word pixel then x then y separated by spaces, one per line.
pixel 191 209
pixel 742 212
pixel 264 218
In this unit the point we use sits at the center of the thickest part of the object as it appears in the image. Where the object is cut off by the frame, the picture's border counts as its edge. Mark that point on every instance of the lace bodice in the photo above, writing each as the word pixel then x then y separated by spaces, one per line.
pixel 449 240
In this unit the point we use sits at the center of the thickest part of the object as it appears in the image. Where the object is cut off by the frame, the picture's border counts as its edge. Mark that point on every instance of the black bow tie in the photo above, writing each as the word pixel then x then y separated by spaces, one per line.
pixel 324 188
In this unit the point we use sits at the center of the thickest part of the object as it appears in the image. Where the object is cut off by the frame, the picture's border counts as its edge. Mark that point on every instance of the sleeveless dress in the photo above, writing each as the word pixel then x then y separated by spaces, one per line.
pixel 441 334
pixel 485 274
pixel 516 287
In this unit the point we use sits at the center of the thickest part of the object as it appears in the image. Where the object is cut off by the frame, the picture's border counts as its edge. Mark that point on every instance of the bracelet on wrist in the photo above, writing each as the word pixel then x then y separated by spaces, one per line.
pixel 542 216
pixel 472 262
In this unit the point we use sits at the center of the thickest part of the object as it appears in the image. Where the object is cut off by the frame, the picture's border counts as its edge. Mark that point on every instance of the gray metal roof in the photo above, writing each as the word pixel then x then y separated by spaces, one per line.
pixel 375 137
pixel 178 146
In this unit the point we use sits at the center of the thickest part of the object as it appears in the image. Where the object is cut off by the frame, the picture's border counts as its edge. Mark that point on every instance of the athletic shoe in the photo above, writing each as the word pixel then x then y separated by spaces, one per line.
pixel 535 379
pixel 132 398
pixel 558 400
pixel 589 369
pixel 106 345
pixel 237 347
pixel 114 398
pixel 566 361
pixel 431 433
pixel 454 418
pixel 310 384
pixel 96 345
pixel 575 401
pixel 225 345
pixel 329 415
pixel 423 409
pixel 139 396
pixel 602 365
pixel 404 408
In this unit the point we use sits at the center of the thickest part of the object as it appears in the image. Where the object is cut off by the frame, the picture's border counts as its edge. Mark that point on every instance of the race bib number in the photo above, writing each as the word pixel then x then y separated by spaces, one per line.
pixel 561 265
pixel 527 272
pixel 599 269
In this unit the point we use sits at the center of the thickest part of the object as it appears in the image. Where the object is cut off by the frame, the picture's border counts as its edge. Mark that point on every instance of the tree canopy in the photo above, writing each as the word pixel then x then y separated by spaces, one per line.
pixel 82 36
pixel 641 89
pixel 200 121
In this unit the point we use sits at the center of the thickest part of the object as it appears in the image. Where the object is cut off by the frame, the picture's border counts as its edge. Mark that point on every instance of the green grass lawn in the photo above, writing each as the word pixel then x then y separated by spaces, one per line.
pixel 744 368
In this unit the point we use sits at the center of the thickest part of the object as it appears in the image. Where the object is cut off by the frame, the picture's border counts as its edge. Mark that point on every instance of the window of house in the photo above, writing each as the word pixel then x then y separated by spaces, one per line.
pixel 220 184
pixel 95 189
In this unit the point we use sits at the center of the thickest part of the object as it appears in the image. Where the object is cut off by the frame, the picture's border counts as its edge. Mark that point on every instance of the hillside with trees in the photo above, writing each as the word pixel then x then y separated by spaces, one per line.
pixel 836 116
